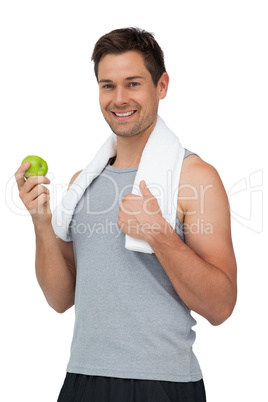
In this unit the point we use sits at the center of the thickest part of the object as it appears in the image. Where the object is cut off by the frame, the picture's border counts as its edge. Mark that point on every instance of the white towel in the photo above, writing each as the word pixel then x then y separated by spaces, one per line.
pixel 160 167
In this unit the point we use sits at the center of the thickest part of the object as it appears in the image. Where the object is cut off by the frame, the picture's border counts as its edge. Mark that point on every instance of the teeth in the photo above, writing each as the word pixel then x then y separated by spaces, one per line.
pixel 124 114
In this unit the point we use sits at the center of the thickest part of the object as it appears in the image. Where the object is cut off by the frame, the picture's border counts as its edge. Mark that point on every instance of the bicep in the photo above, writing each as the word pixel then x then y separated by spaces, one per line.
pixel 207 222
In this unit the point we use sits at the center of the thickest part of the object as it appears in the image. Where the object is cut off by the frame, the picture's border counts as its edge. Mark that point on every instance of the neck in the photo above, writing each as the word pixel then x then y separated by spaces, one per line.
pixel 129 149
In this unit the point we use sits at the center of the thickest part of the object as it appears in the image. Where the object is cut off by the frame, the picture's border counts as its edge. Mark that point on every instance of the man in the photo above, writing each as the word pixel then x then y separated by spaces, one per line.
pixel 133 333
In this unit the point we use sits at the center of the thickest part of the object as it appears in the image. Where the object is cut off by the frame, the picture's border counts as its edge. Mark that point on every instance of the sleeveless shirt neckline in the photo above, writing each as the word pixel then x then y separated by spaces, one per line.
pixel 121 170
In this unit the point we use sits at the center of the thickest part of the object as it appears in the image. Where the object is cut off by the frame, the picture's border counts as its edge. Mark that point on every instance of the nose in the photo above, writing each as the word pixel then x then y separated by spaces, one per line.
pixel 121 96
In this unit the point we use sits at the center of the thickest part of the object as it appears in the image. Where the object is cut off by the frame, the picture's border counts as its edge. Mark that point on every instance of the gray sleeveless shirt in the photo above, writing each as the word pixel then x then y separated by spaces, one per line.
pixel 129 321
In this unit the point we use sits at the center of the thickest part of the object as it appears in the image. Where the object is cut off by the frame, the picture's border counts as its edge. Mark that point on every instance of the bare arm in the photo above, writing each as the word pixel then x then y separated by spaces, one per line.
pixel 202 270
pixel 54 271
pixel 55 266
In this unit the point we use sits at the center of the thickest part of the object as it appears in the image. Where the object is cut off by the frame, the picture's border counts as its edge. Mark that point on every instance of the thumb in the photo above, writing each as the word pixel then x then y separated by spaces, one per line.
pixel 144 189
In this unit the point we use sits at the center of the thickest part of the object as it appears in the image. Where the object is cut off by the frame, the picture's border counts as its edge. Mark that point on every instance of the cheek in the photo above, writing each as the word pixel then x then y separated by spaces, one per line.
pixel 103 101
pixel 150 100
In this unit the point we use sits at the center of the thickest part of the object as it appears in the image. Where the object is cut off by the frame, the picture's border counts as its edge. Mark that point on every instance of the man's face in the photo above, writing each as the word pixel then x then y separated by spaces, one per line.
pixel 127 95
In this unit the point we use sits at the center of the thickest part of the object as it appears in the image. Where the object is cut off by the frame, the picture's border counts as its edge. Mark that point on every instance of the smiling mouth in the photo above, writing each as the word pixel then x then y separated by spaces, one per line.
pixel 124 114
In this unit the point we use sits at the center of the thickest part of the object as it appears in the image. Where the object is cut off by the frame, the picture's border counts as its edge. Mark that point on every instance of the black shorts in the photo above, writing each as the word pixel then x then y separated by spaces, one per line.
pixel 84 388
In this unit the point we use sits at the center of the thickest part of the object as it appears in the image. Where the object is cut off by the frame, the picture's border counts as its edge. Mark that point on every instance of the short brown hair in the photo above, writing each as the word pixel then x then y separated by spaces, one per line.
pixel 122 40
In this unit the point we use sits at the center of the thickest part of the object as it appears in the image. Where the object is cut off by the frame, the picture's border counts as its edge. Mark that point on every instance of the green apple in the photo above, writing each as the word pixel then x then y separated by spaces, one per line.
pixel 38 166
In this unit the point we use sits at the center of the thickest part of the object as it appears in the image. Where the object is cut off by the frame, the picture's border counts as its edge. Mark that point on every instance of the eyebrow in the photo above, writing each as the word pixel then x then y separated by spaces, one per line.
pixel 127 79
pixel 105 81
pixel 134 78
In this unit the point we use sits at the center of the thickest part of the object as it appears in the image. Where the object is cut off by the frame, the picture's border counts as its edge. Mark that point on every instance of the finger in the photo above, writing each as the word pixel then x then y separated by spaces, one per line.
pixel 37 191
pixel 130 197
pixel 123 207
pixel 34 181
pixel 42 199
pixel 144 189
pixel 32 196
pixel 19 175
pixel 37 205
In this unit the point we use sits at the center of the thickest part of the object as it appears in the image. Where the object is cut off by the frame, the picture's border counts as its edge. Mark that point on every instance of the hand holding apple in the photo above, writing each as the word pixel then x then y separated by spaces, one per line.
pixel 34 195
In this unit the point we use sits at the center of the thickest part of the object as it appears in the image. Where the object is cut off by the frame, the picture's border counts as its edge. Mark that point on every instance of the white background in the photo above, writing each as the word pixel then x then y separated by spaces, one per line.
pixel 216 55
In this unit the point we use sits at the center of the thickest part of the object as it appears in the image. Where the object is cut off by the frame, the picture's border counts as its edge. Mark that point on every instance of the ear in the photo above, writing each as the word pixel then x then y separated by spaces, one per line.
pixel 163 85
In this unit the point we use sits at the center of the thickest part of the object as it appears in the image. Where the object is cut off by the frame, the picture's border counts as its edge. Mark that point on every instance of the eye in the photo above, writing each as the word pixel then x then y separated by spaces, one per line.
pixel 107 86
pixel 134 84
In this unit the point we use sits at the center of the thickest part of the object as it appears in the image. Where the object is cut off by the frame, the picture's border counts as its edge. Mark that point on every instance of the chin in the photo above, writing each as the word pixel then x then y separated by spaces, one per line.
pixel 125 134
pixel 127 131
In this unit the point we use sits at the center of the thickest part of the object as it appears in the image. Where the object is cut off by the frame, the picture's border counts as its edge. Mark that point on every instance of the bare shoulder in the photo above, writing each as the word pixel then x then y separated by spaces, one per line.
pixel 197 178
pixel 196 170
pixel 74 178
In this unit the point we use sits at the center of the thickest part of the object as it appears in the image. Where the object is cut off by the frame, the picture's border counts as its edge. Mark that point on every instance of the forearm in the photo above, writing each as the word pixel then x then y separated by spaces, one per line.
pixel 54 277
pixel 203 287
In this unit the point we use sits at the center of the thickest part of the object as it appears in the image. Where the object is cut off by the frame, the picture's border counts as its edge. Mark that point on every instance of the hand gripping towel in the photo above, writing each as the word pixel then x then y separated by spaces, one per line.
pixel 160 167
